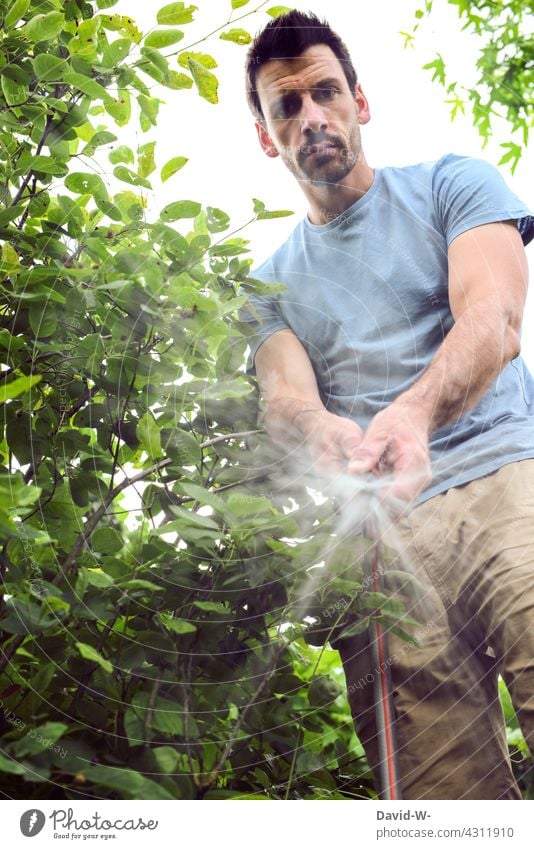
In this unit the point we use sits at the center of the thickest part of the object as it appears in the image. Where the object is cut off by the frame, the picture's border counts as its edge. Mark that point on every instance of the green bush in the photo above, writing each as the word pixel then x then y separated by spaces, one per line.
pixel 151 616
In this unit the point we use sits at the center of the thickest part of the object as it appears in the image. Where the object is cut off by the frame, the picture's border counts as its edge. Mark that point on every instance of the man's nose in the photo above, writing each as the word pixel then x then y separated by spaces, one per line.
pixel 312 117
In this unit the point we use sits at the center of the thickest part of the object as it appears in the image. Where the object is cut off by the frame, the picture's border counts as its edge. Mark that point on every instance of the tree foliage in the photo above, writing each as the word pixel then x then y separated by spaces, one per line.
pixel 505 64
pixel 166 601
pixel 155 639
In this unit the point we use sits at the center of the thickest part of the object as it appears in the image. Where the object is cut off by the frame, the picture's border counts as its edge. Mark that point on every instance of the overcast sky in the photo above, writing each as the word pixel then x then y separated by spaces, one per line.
pixel 410 121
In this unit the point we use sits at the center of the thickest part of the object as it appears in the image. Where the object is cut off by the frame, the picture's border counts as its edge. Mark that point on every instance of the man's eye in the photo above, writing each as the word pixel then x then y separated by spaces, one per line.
pixel 288 106
pixel 326 93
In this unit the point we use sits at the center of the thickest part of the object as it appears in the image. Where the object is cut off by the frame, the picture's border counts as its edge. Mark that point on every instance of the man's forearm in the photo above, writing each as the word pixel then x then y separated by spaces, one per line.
pixel 478 346
pixel 285 418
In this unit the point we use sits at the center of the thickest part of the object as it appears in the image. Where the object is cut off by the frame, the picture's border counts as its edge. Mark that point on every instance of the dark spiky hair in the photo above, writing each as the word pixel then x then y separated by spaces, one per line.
pixel 286 37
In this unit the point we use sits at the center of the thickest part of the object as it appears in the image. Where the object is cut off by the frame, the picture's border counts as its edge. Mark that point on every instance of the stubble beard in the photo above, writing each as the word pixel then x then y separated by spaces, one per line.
pixel 327 168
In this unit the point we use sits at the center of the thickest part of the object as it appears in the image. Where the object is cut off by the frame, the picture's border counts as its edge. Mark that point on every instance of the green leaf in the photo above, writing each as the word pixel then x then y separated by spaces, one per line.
pixel 122 153
pixel 44 27
pixel 14 93
pixel 182 447
pixel 96 577
pixel 163 38
pixel 175 13
pixel 26 617
pixel 166 716
pixel 157 59
pixel 115 52
pixel 43 320
pixel 263 214
pixel 323 690
pixel 145 160
pixel 126 175
pixel 106 4
pixel 438 66
pixel 206 82
pixel 9 342
pixel 9 214
pixel 238 36
pixel 190 533
pixel 18 386
pixel 512 155
pixel 226 389
pixel 121 108
pixel 48 67
pixel 236 4
pixel 286 683
pixel 90 653
pixel 49 165
pixel 149 111
pixel 177 81
pixel 166 759
pixel 40 739
pixel 42 677
pixel 106 540
pixel 172 166
pixel 149 436
pixel 10 258
pixel 85 184
pixel 97 140
pixel 126 781
pixel 192 518
pixel 140 584
pixel 358 627
pixel 16 12
pixel 88 86
pixel 212 607
pixel 276 11
pixel 11 766
pixel 249 505
pixel 216 219
pixel 16 73
pixel 180 209
pixel 204 496
pixel 203 59
pixel 177 626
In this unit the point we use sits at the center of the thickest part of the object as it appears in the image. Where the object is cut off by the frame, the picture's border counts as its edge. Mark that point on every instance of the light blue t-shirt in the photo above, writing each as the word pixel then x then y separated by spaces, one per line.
pixel 367 295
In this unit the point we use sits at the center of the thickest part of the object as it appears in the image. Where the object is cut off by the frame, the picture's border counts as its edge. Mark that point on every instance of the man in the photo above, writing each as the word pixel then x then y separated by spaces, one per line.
pixel 394 349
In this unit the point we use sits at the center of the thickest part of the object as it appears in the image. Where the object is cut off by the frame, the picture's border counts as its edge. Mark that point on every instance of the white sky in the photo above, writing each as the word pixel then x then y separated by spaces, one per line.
pixel 410 121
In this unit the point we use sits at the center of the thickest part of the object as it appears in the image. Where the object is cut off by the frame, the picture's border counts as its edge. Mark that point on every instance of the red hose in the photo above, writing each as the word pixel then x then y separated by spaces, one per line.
pixel 383 694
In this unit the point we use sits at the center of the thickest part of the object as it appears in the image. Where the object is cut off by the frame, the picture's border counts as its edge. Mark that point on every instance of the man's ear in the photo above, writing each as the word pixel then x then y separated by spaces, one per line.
pixel 266 142
pixel 364 112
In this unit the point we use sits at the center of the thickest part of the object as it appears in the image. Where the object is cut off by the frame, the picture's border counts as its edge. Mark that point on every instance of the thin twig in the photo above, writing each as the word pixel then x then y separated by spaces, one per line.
pixel 8 653
pixel 226 23
pixel 242 716
pixel 187 710
pixel 224 437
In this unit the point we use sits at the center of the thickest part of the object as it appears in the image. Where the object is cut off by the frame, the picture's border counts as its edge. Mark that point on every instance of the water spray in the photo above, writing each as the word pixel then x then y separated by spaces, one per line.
pixel 363 511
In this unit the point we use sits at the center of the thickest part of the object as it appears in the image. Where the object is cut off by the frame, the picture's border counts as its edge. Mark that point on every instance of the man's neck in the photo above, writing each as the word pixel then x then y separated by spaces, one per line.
pixel 329 200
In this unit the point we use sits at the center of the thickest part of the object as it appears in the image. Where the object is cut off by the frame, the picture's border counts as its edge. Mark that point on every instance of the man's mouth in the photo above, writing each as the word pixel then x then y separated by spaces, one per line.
pixel 320 149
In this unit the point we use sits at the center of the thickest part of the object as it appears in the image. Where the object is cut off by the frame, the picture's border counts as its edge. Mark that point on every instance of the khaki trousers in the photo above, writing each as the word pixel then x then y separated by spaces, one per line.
pixel 472 551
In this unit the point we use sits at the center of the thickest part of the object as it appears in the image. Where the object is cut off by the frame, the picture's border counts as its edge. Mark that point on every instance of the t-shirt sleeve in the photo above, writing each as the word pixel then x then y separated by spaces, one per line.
pixel 469 192
pixel 263 317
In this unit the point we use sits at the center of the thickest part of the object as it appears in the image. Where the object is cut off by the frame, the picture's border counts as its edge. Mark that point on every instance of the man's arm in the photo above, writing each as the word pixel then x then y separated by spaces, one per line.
pixel 294 413
pixel 487 289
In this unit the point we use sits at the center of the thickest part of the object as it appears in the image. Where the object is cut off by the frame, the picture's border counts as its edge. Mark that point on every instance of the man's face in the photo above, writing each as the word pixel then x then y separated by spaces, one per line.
pixel 311 117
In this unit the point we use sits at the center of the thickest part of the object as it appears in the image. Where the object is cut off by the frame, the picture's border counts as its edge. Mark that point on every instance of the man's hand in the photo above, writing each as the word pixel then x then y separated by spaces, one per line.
pixel 331 440
pixel 396 444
